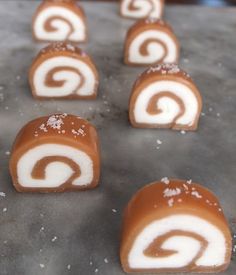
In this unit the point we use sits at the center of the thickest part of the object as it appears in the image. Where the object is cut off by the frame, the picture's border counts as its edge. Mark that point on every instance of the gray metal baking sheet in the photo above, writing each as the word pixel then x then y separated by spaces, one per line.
pixel 78 233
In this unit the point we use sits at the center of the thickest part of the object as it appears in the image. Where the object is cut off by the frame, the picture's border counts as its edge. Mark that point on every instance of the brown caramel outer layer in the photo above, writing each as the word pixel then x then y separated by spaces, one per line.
pixel 151 75
pixel 62 49
pixel 133 8
pixel 31 136
pixel 146 25
pixel 67 4
pixel 149 205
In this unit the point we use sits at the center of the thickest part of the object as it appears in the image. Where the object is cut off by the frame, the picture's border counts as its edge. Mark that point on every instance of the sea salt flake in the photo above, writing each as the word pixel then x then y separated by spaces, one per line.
pixel 196 194
pixel 2 194
pixel 165 180
pixel 106 261
pixel 54 238
pixel 159 142
pixel 168 192
pixel 55 122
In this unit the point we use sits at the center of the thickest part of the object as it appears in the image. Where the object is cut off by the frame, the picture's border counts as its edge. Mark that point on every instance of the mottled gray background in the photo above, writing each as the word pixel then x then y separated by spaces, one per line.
pixel 87 224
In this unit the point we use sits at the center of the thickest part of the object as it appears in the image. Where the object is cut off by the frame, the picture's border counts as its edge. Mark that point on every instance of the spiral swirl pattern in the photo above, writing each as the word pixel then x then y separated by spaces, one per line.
pixel 166 243
pixel 166 102
pixel 63 76
pixel 142 8
pixel 58 23
pixel 152 46
pixel 53 165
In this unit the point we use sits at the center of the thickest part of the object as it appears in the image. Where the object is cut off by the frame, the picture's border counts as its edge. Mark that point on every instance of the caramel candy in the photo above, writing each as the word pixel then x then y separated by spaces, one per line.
pixel 164 96
pixel 175 226
pixel 136 9
pixel 151 41
pixel 59 20
pixel 54 154
pixel 62 70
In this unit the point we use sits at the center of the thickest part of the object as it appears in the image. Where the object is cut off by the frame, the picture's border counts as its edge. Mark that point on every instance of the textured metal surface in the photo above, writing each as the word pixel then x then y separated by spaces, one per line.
pixel 87 224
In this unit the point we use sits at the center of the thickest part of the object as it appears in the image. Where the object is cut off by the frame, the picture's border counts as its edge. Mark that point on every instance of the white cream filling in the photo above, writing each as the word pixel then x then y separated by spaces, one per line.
pixel 72 79
pixel 168 106
pixel 63 29
pixel 156 52
pixel 151 8
pixel 187 248
pixel 56 173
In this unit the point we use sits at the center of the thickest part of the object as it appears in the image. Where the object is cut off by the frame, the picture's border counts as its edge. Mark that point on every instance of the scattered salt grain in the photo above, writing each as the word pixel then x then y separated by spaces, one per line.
pixel 203 114
pixel 55 122
pixel 159 142
pixel 68 266
pixel 4 209
pixel 165 180
pixel 54 238
pixel 42 265
pixel 90 263
pixel 210 109
pixel 18 77
pixel 183 132
pixel 106 260
pixel 2 194
pixel 6 108
pixel 171 192
pixel 196 194
pixel 7 153
pixel 218 114
pixel 96 270
pixel 114 210
pixel 189 181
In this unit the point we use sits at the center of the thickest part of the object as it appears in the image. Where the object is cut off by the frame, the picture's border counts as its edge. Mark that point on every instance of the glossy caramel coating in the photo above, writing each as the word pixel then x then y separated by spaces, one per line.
pixel 158 73
pixel 58 49
pixel 145 25
pixel 73 131
pixel 150 204
pixel 68 4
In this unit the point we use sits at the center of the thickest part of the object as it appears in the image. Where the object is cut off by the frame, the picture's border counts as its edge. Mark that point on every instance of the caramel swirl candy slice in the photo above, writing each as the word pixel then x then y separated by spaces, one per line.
pixel 136 9
pixel 175 226
pixel 59 20
pixel 55 154
pixel 62 70
pixel 164 96
pixel 151 41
